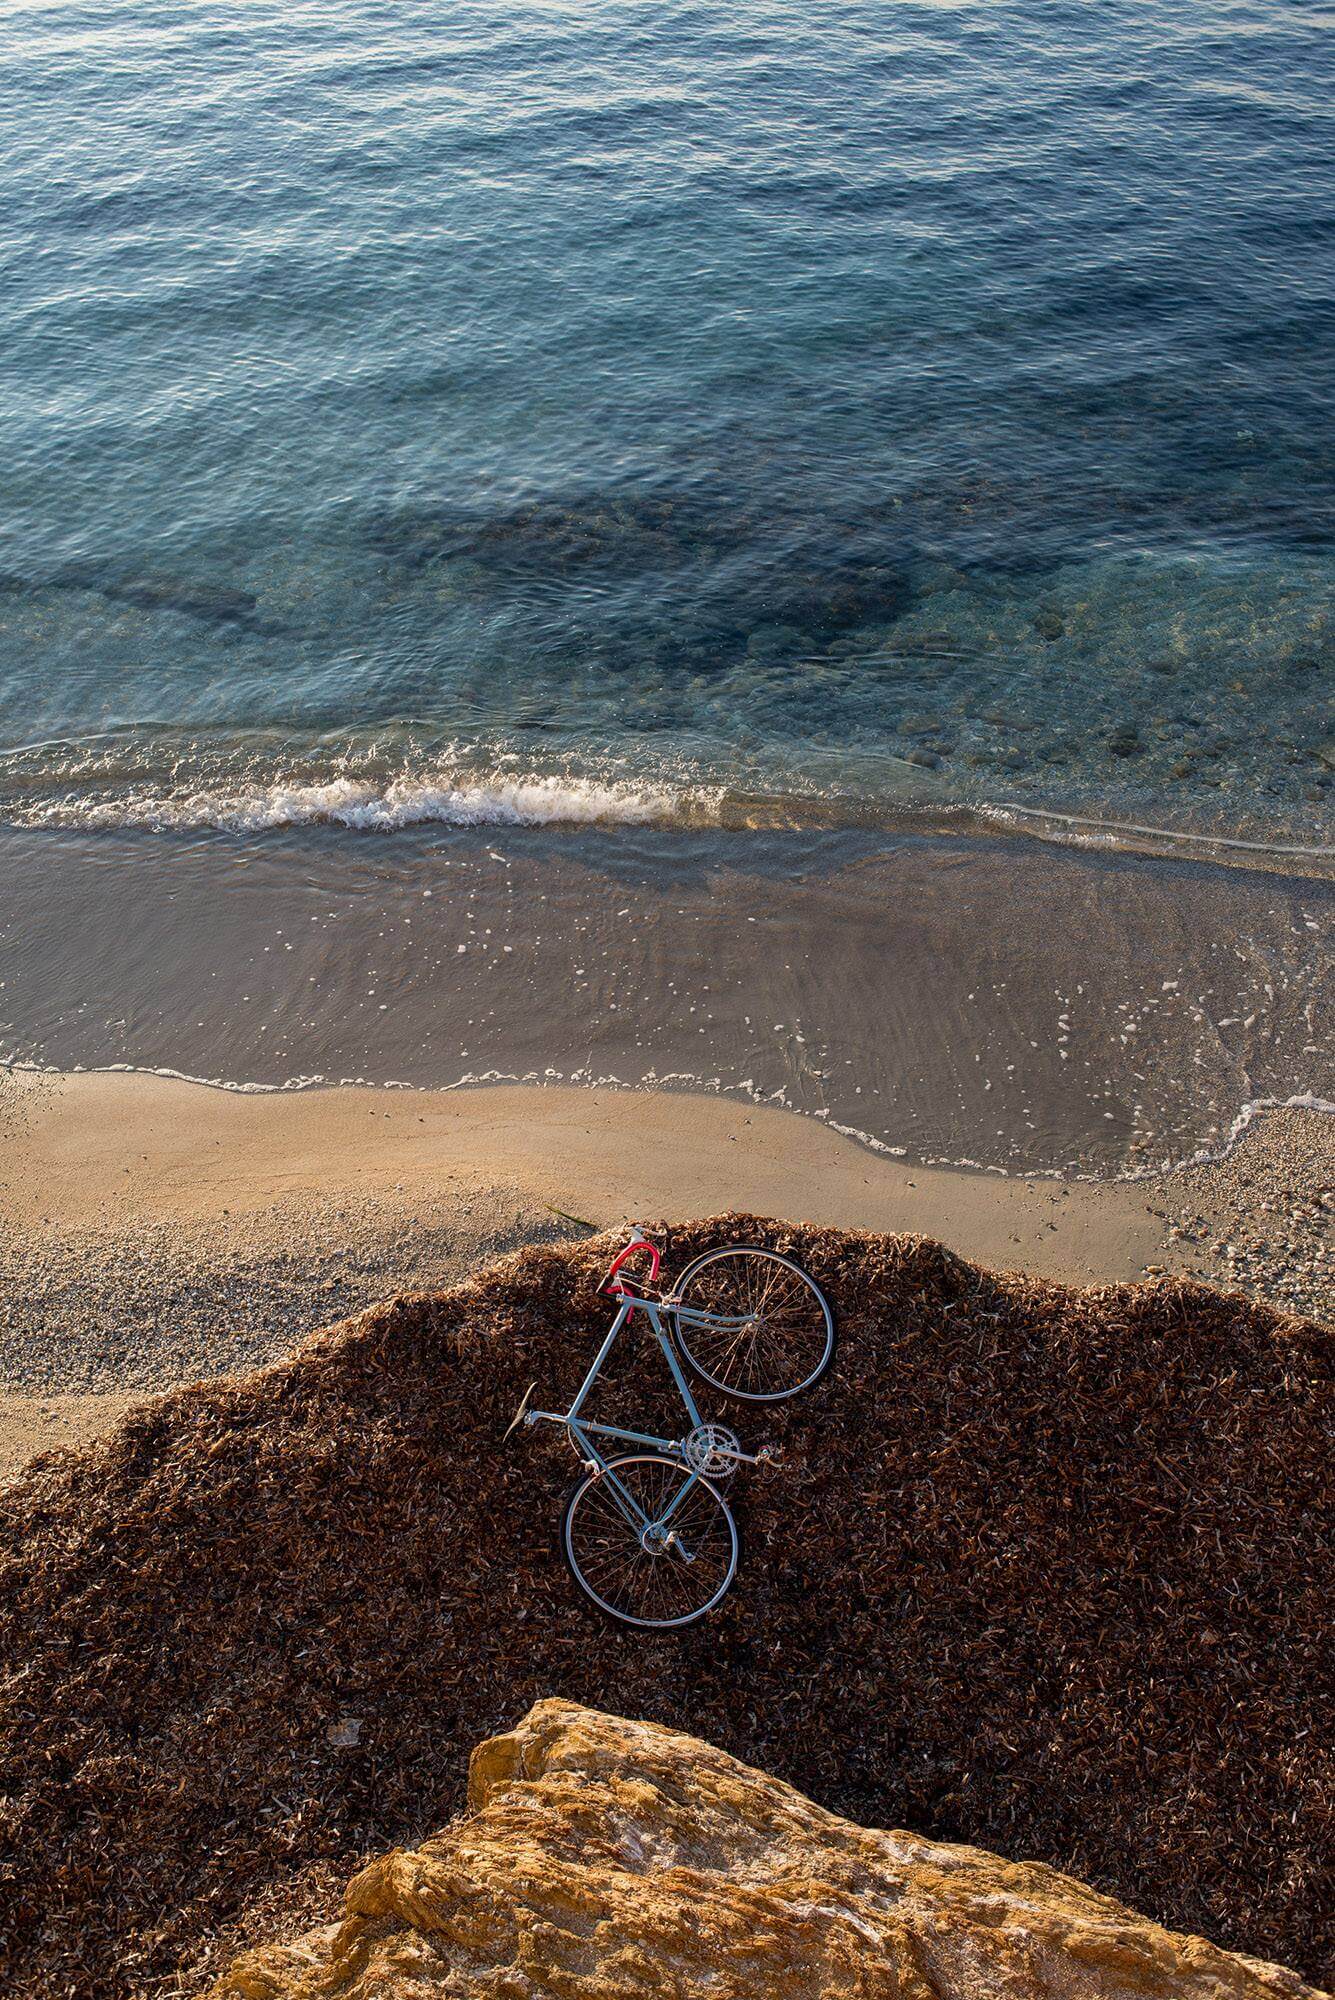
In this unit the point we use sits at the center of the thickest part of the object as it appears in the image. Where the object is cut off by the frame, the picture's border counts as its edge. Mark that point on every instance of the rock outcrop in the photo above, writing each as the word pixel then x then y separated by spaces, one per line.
pixel 609 1860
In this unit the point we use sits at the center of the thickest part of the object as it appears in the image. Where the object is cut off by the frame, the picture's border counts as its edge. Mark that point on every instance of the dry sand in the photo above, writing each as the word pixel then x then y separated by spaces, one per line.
pixel 157 1231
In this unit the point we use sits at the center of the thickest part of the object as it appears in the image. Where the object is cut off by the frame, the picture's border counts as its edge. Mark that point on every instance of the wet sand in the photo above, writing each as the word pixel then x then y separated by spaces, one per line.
pixel 959 998
pixel 157 1231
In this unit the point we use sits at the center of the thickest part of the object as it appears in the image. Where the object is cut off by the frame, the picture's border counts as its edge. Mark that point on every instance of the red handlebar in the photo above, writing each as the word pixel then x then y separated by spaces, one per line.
pixel 631 1250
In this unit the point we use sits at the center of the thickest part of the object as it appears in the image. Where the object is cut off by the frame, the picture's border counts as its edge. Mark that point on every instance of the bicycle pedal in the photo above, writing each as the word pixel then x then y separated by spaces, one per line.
pixel 769 1454
pixel 521 1414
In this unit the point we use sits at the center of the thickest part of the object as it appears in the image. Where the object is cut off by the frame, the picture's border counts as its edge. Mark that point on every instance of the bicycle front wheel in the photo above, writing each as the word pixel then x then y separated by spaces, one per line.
pixel 753 1324
pixel 652 1543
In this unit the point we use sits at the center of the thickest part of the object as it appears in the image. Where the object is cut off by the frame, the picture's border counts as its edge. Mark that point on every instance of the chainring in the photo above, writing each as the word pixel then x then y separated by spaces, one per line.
pixel 711 1449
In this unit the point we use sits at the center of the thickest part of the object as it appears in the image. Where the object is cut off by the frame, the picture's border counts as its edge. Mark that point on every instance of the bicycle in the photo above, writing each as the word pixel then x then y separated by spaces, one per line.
pixel 648 1536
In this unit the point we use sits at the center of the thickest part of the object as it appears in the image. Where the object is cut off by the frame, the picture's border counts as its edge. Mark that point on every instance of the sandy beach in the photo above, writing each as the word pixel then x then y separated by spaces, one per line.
pixel 157 1232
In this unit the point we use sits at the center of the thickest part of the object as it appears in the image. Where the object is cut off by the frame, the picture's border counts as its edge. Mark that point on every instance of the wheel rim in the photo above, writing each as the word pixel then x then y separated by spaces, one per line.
pixel 630 1574
pixel 787 1334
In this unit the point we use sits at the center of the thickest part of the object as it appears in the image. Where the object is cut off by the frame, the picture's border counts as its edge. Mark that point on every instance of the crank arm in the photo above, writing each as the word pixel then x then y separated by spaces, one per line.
pixel 767 1455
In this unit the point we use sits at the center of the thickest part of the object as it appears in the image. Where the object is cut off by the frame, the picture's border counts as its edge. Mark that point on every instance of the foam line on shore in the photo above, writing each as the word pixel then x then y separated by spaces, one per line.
pixel 1208 1156
pixel 585 1079
pixel 1112 833
pixel 456 791
pixel 363 805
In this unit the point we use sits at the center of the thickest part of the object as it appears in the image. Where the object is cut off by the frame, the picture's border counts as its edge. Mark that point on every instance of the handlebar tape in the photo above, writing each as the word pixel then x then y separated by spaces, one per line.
pixel 632 1249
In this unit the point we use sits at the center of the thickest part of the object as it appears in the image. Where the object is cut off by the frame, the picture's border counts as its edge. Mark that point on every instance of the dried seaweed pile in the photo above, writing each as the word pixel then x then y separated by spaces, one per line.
pixel 1042 1570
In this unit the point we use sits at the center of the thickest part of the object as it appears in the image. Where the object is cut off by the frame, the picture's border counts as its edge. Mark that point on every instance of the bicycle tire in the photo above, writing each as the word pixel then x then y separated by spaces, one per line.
pixel 803 1321
pixel 648 1581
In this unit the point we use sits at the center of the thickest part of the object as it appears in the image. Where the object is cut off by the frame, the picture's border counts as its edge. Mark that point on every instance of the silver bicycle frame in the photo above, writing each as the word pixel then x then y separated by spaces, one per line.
pixel 581 1427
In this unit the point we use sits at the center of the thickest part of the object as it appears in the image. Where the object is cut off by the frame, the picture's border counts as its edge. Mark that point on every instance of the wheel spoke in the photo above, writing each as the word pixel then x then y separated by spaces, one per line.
pixel 640 1578
pixel 763 1330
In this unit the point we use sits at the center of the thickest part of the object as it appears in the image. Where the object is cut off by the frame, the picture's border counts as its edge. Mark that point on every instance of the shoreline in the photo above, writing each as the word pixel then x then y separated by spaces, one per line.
pixel 158 1231
pixel 488 799
pixel 997 1003
pixel 1304 1102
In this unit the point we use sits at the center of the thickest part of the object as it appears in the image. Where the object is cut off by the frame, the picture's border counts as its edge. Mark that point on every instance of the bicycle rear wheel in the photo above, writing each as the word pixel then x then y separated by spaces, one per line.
pixel 753 1324
pixel 665 1573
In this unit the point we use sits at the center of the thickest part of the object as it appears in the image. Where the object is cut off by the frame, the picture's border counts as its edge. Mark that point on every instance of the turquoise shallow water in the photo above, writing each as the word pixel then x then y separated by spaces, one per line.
pixel 753 415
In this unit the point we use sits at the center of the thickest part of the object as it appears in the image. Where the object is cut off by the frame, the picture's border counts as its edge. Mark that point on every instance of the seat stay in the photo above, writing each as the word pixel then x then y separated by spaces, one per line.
pixel 687 1486
pixel 623 1499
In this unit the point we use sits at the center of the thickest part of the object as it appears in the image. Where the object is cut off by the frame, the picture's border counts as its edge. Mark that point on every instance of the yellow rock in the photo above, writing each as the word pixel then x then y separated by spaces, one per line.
pixel 609 1860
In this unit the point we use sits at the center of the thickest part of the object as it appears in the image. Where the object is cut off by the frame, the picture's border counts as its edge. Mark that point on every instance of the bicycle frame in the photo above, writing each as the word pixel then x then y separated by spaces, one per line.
pixel 581 1429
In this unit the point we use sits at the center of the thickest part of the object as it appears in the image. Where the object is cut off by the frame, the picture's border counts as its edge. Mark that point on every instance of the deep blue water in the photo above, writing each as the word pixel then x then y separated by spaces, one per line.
pixel 756 411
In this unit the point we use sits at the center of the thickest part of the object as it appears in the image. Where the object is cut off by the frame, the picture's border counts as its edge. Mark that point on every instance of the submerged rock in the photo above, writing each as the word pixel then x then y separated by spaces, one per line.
pixel 213 603
pixel 208 603
pixel 605 1859
pixel 1125 741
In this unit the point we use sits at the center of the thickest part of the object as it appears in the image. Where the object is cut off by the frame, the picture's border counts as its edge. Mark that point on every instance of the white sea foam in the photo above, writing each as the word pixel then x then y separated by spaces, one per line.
pixel 367 805
pixel 1205 1156
pixel 1081 831
pixel 709 1086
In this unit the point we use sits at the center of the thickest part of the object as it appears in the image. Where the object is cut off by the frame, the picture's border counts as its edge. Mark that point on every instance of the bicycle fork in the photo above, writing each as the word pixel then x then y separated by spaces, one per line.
pixel 651 1535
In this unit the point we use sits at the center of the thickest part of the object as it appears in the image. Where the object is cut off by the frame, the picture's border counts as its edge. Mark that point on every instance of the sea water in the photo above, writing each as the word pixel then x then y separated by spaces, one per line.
pixel 763 423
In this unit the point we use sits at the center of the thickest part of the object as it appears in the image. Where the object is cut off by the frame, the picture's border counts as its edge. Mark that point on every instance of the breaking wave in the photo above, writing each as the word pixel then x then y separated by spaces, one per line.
pixel 165 781
pixel 378 806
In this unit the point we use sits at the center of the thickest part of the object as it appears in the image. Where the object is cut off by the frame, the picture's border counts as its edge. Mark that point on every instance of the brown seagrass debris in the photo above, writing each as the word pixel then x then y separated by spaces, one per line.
pixel 1043 1571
